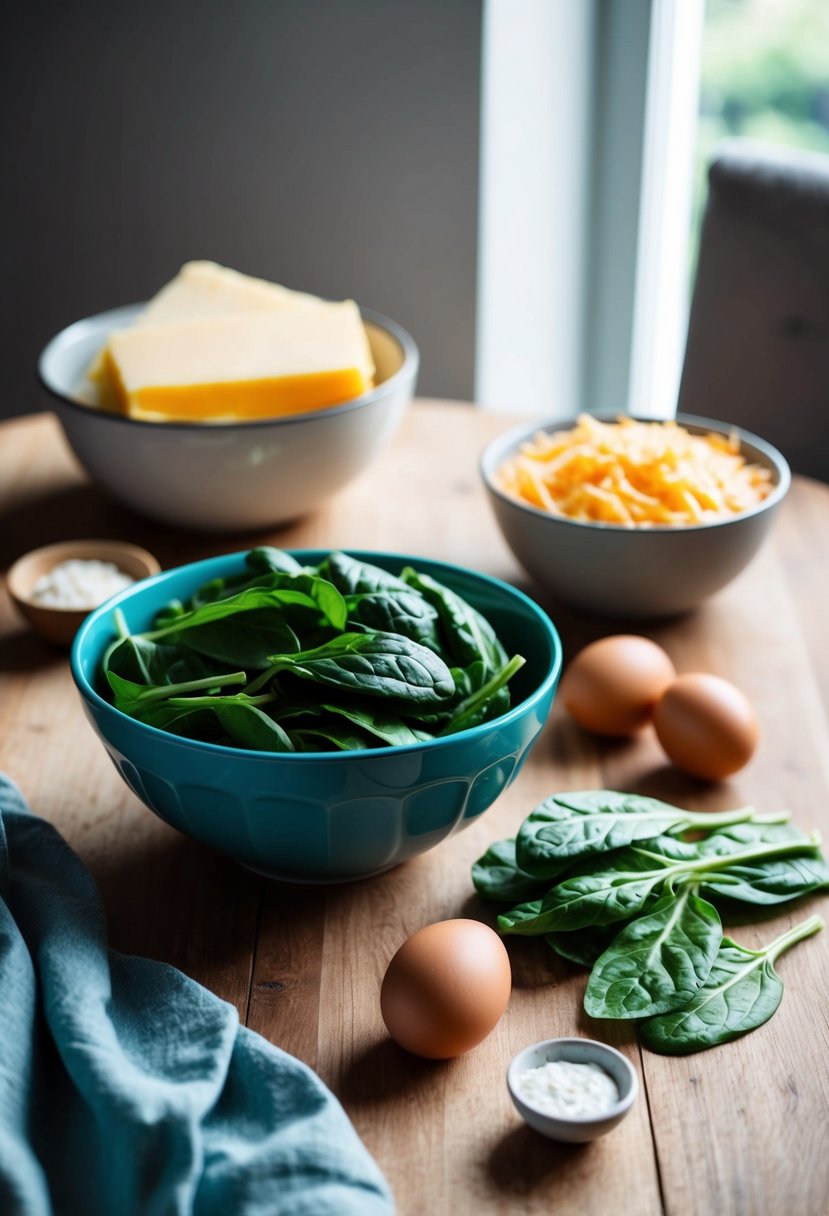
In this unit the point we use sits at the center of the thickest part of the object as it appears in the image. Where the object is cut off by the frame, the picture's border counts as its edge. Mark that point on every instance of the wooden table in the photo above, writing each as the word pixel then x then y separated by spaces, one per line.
pixel 741 1129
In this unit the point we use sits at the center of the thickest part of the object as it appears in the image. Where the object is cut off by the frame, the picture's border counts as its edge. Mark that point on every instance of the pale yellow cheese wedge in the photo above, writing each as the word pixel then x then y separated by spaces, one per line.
pixel 200 289
pixel 204 289
pixel 241 365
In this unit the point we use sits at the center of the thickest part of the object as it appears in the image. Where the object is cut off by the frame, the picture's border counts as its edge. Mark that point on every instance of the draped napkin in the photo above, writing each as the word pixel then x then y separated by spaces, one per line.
pixel 127 1089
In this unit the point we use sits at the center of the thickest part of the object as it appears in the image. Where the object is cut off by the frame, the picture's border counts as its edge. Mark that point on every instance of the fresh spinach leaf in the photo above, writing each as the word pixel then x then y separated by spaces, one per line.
pixel 583 947
pixel 401 612
pixel 259 565
pixel 255 636
pixel 498 876
pixel 135 699
pixel 267 560
pixel 304 589
pixel 375 721
pixel 469 635
pixel 375 665
pixel 209 593
pixel 323 738
pixel 637 913
pixel 616 887
pixel 353 577
pixel 142 662
pixel 656 962
pixel 592 897
pixel 570 825
pixel 293 637
pixel 170 611
pixel 165 708
pixel 249 727
pixel 741 992
pixel 478 705
pixel 772 881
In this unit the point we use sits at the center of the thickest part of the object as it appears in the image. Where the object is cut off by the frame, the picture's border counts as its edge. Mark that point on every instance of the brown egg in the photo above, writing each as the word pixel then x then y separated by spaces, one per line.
pixel 612 685
pixel 446 988
pixel 706 725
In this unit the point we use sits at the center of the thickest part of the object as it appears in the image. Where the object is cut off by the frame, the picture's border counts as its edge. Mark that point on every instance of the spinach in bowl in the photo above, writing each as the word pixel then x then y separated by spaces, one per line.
pixel 341 656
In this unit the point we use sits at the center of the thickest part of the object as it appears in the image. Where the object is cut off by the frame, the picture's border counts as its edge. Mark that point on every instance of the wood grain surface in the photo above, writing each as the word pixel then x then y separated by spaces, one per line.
pixel 737 1131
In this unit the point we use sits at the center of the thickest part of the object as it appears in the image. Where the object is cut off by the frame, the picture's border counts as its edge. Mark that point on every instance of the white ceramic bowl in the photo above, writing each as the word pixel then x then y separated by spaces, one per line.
pixel 228 476
pixel 575 1051
pixel 633 572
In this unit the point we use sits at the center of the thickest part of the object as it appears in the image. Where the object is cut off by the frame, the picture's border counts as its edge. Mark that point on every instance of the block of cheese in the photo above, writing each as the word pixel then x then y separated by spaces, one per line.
pixel 239 366
pixel 203 289
pixel 200 289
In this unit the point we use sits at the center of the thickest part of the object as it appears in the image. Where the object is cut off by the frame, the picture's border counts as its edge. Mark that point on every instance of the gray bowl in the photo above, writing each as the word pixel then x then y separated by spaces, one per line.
pixel 633 572
pixel 226 477
pixel 575 1051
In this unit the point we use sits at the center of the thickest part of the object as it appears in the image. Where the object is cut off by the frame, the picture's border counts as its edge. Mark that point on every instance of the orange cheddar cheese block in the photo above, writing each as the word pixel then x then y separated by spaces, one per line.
pixel 240 366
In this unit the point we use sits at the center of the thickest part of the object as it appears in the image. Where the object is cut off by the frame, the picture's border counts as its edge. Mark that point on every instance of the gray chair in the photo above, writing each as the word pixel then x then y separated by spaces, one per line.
pixel 758 337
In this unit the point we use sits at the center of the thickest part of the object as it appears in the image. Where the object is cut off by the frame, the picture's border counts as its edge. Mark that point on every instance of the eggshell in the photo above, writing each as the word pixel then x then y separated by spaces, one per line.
pixel 446 988
pixel 612 686
pixel 706 726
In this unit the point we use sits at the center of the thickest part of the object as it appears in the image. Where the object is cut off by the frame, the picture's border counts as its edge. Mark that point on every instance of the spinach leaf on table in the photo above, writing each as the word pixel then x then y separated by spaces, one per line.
pixel 498 876
pixel 583 947
pixel 658 961
pixel 638 914
pixel 566 826
pixel 768 880
pixel 616 887
pixel 772 881
pixel 594 896
pixel 741 992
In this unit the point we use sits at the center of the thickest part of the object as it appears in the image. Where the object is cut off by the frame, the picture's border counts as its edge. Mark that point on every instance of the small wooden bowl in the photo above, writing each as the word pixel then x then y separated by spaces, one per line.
pixel 59 625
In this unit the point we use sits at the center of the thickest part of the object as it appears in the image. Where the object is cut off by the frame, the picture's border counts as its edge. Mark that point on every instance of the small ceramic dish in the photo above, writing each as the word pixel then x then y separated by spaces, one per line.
pixel 574 1051
pixel 59 625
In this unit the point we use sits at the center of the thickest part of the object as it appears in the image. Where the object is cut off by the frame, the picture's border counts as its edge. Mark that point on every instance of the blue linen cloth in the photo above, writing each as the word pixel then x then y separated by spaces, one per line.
pixel 127 1089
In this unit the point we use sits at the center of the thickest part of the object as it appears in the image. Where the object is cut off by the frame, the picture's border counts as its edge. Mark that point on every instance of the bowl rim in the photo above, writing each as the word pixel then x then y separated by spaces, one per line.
pixel 504 445
pixel 548 682
pixel 408 368
pixel 621 1107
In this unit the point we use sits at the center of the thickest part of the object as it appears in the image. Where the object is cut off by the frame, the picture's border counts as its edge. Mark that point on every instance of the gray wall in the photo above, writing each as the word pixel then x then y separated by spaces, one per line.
pixel 328 144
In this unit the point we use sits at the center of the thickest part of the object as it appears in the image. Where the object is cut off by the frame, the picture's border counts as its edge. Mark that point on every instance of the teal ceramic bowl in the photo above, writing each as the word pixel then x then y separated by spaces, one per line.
pixel 324 817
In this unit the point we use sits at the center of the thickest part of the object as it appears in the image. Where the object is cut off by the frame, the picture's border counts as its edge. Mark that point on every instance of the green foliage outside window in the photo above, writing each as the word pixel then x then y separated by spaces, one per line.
pixel 765 75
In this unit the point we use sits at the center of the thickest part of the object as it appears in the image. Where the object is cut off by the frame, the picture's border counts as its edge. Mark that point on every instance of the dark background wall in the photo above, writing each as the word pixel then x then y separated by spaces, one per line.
pixel 331 145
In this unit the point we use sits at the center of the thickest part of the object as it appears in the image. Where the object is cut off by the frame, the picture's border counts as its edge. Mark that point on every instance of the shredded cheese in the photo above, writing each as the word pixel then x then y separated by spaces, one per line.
pixel 634 474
